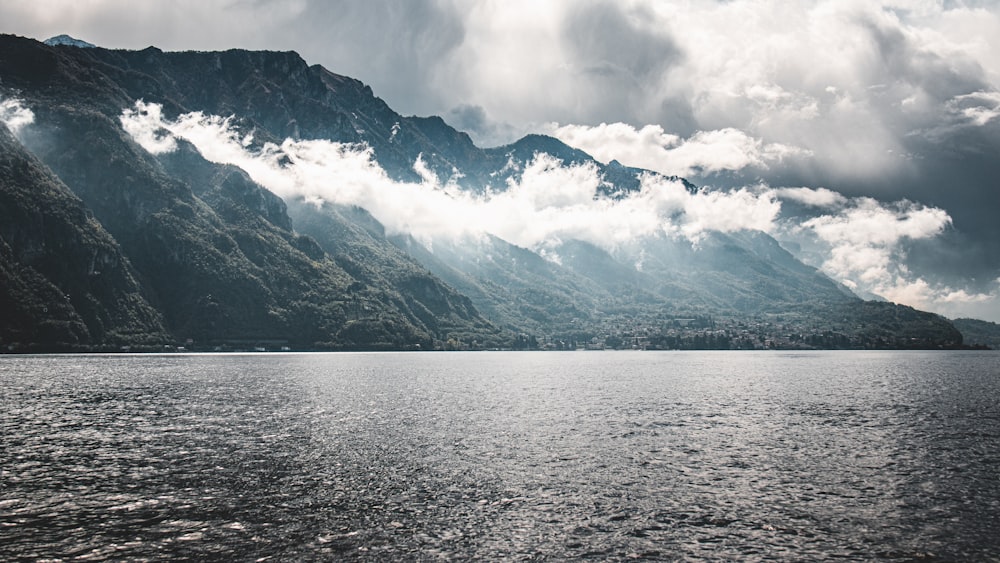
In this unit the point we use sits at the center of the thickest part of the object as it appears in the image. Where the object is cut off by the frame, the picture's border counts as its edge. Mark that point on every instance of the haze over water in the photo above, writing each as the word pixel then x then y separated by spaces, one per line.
pixel 736 456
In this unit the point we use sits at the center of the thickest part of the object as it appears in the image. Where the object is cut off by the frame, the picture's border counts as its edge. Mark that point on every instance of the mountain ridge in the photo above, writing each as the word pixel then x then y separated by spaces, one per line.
pixel 227 261
pixel 68 41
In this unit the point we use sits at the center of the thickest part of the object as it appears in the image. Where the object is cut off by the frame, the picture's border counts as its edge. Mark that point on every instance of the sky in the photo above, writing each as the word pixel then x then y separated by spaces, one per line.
pixel 874 124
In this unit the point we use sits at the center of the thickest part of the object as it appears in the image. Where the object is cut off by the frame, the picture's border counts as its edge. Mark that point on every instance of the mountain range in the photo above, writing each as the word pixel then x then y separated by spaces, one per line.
pixel 110 240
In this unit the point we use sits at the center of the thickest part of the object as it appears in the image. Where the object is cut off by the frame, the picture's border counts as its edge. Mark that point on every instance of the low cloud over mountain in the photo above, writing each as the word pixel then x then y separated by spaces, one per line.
pixel 891 100
pixel 200 165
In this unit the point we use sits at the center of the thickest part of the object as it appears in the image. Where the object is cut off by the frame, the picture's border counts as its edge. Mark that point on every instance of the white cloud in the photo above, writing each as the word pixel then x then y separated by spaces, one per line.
pixel 852 84
pixel 864 240
pixel 645 148
pixel 978 108
pixel 726 149
pixel 15 116
pixel 775 103
pixel 763 67
pixel 650 147
pixel 870 223
pixel 814 197
pixel 144 125
pixel 550 202
pixel 953 303
pixel 731 211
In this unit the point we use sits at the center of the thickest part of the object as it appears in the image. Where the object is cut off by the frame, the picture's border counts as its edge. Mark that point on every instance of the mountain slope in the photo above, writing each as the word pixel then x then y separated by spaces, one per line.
pixel 65 280
pixel 357 242
pixel 222 261
pixel 215 251
pixel 979 333
pixel 278 95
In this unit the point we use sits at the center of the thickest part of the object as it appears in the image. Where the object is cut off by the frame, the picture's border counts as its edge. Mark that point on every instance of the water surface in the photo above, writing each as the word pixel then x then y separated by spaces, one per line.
pixel 607 456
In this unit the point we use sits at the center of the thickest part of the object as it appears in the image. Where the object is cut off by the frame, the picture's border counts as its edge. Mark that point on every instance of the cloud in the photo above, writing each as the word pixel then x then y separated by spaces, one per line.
pixel 550 201
pixel 895 99
pixel 759 66
pixel 731 211
pixel 704 152
pixel 144 125
pixel 727 149
pixel 813 197
pixel 614 57
pixel 953 303
pixel 978 108
pixel 856 85
pixel 645 148
pixel 861 241
pixel 869 222
pixel 864 248
pixel 14 115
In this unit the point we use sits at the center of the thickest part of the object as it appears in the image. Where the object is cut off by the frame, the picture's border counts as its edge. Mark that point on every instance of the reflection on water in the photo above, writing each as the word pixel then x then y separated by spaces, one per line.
pixel 501 456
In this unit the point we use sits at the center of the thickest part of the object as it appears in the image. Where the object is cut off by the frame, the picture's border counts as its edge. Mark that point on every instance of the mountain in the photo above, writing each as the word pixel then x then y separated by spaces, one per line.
pixel 68 41
pixel 205 256
pixel 214 251
pixel 67 283
pixel 358 244
pixel 979 333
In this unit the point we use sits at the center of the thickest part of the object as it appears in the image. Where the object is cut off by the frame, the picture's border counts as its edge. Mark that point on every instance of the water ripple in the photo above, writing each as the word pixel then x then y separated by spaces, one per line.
pixel 672 456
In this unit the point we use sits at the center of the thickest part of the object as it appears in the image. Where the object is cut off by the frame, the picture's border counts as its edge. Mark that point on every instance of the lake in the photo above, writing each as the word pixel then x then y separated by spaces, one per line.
pixel 537 455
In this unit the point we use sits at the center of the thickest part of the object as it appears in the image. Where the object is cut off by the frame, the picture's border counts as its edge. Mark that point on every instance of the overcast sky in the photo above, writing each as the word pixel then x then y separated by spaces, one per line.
pixel 896 100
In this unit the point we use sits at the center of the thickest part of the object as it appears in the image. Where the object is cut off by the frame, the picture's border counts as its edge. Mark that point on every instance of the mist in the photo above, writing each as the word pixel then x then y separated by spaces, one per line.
pixel 14 115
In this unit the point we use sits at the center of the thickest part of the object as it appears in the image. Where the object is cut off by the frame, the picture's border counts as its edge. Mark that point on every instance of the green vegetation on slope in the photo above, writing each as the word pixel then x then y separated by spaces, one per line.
pixel 66 282
pixel 979 333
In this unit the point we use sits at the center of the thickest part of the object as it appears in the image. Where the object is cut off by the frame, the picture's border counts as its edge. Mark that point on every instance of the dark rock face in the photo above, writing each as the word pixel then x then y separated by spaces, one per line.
pixel 67 281
pixel 104 245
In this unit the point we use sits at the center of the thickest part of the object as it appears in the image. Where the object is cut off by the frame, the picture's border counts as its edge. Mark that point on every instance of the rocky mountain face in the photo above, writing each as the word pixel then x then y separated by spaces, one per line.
pixel 104 245
pixel 66 281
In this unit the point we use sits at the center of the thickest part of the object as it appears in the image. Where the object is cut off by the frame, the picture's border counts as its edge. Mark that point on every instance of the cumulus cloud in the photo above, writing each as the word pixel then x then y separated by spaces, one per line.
pixel 865 238
pixel 873 223
pixel 861 240
pixel 646 147
pixel 878 69
pixel 650 147
pixel 14 115
pixel 863 87
pixel 727 149
pixel 864 244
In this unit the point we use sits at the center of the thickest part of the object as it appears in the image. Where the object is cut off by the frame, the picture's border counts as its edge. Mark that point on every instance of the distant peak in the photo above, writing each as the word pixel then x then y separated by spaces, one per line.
pixel 67 40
